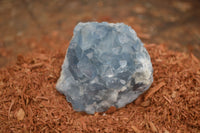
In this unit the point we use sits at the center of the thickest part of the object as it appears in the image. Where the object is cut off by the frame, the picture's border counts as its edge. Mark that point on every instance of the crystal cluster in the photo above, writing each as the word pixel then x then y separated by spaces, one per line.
pixel 106 65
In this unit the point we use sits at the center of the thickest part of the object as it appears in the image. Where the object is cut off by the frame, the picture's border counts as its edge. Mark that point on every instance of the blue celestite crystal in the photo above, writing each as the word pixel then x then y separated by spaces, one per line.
pixel 105 65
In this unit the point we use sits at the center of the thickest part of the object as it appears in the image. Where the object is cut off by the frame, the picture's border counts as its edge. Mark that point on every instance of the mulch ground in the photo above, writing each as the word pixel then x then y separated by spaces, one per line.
pixel 30 103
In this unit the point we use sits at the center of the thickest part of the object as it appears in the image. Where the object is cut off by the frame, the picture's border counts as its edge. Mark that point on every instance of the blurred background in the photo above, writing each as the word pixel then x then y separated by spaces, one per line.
pixel 27 25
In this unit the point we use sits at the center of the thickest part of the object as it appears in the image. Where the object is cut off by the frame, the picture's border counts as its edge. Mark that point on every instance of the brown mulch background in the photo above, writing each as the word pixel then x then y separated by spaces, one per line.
pixel 30 103
pixel 174 23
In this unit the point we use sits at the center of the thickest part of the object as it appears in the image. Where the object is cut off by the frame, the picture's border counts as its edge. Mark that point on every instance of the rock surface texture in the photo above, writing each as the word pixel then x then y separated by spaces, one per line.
pixel 105 65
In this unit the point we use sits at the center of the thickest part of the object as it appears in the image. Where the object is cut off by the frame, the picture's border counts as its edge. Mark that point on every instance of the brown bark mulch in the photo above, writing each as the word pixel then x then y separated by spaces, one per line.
pixel 30 103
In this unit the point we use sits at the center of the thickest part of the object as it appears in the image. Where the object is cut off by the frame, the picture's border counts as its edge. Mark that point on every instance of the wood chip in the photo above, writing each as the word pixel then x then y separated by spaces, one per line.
pixel 153 127
pixel 111 110
pixel 145 103
pixel 34 66
pixel 20 114
pixel 168 100
pixel 194 58
pixel 41 97
pixel 173 94
pixel 1 83
pixel 12 103
pixel 139 100
pixel 166 131
pixel 135 129
pixel 153 90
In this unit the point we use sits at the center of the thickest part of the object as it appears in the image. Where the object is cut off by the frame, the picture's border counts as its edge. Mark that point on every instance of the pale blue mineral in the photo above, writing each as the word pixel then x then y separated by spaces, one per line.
pixel 106 65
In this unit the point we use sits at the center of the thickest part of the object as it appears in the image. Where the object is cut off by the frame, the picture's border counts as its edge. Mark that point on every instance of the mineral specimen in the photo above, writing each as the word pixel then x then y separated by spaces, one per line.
pixel 105 65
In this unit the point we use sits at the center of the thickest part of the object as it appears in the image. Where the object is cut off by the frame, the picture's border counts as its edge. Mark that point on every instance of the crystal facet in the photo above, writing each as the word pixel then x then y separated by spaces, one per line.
pixel 106 65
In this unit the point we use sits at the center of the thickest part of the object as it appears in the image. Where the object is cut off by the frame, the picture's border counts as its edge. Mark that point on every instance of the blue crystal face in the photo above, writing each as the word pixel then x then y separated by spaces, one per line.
pixel 105 65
